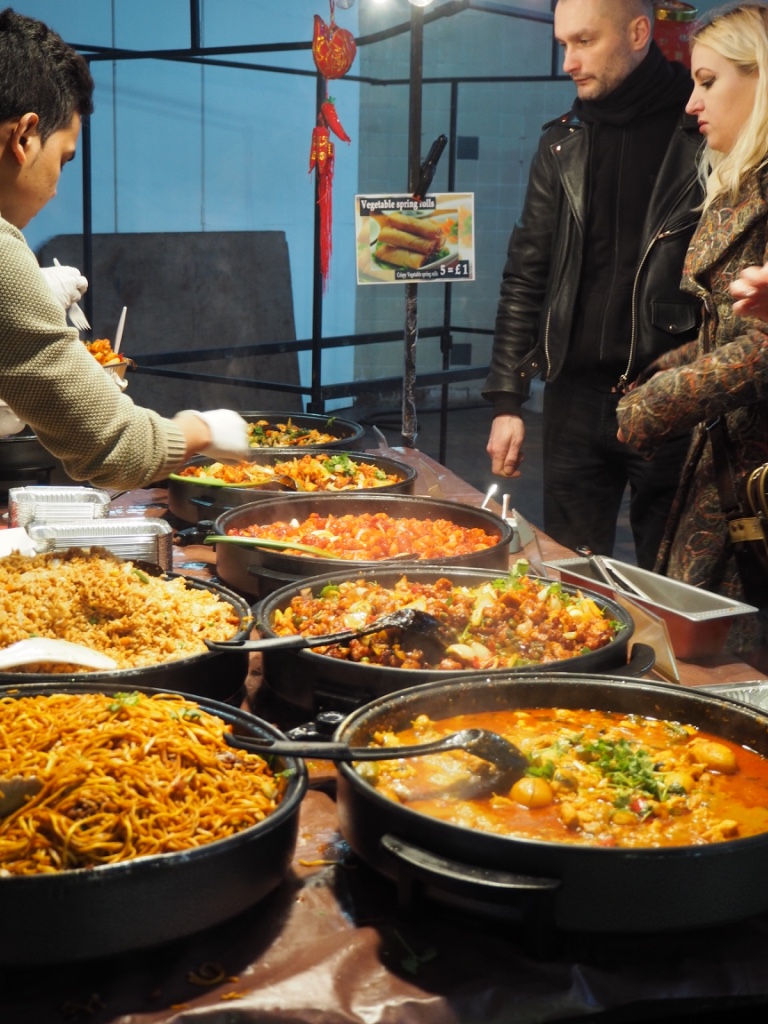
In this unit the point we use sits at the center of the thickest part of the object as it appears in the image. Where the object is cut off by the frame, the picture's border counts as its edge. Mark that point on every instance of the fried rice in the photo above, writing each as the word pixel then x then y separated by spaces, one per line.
pixel 108 605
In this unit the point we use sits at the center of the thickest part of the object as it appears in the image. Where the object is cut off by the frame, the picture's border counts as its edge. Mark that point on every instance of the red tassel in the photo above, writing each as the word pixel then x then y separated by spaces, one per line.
pixel 321 159
pixel 325 199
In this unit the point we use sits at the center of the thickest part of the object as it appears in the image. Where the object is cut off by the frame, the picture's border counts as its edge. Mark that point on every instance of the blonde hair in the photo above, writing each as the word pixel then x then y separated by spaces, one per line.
pixel 740 34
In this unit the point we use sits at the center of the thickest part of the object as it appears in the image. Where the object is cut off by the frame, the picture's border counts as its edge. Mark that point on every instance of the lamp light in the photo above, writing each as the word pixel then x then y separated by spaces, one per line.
pixel 420 3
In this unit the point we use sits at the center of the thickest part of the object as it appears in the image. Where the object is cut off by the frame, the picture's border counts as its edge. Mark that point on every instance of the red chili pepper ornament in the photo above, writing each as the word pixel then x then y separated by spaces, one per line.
pixel 321 161
pixel 331 118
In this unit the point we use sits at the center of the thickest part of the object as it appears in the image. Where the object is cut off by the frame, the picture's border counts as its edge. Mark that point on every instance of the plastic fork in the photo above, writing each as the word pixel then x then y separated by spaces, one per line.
pixel 75 314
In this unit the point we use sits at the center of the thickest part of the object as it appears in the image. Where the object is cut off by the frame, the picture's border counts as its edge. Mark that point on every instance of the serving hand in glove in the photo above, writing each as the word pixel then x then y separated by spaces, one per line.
pixel 220 434
pixel 66 284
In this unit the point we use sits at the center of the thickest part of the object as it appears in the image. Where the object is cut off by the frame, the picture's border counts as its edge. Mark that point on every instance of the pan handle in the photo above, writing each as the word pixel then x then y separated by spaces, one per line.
pixel 642 658
pixel 193 534
pixel 460 877
pixel 416 868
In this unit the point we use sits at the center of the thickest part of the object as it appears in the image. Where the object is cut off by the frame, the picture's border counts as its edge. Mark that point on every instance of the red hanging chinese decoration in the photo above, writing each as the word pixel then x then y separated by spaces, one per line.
pixel 321 160
pixel 333 50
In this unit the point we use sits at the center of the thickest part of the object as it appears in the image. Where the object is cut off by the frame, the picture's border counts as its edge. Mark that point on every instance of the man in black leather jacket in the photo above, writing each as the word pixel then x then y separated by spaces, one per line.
pixel 590 292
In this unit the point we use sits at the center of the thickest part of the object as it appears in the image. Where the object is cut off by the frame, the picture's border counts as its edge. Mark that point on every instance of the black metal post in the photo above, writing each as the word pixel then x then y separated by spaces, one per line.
pixel 195 23
pixel 409 423
pixel 316 403
pixel 446 341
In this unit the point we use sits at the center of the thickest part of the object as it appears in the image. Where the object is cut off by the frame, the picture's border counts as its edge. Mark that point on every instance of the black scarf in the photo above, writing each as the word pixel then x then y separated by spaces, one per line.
pixel 654 85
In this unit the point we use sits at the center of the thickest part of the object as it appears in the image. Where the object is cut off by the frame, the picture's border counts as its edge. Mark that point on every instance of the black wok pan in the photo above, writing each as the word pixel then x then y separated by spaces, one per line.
pixel 194 500
pixel 260 572
pixel 586 889
pixel 347 433
pixel 138 904
pixel 218 675
pixel 316 682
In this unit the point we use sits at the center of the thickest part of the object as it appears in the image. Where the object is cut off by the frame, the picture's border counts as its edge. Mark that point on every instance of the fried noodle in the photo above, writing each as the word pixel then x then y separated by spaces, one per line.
pixel 123 776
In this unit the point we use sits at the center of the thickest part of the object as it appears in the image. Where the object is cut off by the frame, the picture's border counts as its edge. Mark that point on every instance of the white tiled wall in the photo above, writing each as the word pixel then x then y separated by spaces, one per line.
pixel 505 117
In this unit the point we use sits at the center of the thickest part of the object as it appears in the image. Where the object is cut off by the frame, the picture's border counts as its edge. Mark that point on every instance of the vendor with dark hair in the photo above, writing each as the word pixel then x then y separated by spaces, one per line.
pixel 48 379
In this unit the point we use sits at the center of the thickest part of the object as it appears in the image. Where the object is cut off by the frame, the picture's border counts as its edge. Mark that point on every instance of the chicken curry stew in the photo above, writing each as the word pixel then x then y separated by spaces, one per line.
pixel 595 778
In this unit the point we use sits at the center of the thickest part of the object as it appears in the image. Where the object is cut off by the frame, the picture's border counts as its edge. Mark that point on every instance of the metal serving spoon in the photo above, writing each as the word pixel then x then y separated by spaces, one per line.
pixel 421 625
pixel 287 545
pixel 275 483
pixel 42 648
pixel 264 542
pixel 509 762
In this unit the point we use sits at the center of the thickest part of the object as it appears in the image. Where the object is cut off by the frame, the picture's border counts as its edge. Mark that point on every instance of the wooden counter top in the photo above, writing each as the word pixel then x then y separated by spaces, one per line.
pixel 434 480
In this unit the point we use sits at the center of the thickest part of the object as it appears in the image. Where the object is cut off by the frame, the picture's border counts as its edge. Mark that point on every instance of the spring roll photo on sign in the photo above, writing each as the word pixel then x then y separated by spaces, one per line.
pixel 401 239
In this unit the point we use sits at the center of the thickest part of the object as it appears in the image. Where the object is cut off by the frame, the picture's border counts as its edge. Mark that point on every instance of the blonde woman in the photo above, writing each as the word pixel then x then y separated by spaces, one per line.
pixel 724 373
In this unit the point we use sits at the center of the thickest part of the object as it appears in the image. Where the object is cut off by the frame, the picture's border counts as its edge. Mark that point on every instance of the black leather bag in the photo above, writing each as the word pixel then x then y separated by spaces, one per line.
pixel 745 508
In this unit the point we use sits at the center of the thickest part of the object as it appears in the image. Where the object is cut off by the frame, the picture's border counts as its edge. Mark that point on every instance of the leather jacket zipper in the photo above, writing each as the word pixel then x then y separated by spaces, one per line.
pixel 624 380
pixel 546 342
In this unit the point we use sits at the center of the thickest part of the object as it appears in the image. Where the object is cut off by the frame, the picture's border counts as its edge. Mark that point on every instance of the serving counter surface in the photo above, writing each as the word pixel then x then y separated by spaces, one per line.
pixel 332 946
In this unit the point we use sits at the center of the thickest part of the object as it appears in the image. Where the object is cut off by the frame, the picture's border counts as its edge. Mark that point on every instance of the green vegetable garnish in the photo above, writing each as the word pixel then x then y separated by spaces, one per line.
pixel 124 700
pixel 626 769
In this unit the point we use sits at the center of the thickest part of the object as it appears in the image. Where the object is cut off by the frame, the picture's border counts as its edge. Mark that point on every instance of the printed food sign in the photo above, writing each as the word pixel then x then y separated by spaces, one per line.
pixel 402 239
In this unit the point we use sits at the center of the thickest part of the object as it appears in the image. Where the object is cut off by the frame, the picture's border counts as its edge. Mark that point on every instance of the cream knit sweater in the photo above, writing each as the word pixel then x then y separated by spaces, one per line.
pixel 55 385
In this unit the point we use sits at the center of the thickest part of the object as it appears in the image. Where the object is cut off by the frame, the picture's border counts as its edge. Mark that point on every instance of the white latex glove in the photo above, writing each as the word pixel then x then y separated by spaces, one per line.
pixel 66 284
pixel 229 435
pixel 9 421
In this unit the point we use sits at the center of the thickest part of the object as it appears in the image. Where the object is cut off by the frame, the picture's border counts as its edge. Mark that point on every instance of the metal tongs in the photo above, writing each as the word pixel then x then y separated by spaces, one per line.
pixel 611 575
pixel 649 628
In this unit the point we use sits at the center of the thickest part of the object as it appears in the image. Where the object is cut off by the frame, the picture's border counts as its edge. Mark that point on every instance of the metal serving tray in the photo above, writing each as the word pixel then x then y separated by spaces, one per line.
pixel 56 504
pixel 148 539
pixel 698 621
pixel 754 692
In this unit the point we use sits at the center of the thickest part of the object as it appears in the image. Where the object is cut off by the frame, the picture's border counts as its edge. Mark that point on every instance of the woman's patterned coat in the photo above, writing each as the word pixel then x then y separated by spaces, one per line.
pixel 689 386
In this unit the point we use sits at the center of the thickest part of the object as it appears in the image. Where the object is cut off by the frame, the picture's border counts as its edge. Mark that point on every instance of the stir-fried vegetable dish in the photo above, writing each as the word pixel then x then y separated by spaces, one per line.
pixel 264 434
pixel 503 623
pixel 595 777
pixel 320 472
